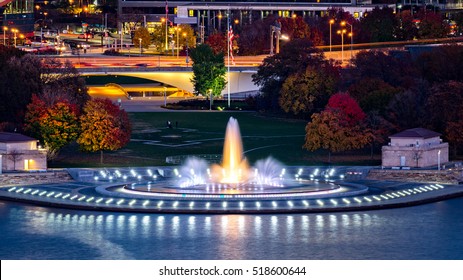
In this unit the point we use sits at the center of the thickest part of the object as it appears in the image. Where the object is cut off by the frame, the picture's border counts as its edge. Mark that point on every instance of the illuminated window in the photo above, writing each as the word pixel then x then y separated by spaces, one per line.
pixel 191 13
pixel 356 14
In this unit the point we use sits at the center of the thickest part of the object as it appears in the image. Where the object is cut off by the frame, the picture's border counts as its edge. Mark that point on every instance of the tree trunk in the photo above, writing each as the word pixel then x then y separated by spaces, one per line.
pixel 329 157
pixel 101 157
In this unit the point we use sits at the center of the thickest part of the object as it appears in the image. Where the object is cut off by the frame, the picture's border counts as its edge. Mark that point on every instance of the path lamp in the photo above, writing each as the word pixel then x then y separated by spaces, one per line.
pixel 438 160
pixel 210 101
pixel 4 35
pixel 342 32
pixel 331 23
pixel 351 34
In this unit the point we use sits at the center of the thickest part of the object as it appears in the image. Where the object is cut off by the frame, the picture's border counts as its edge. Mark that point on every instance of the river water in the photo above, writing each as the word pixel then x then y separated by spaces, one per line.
pixel 431 231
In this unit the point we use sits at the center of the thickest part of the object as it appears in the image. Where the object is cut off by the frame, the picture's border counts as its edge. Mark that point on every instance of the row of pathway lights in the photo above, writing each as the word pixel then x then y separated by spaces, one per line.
pixel 106 175
pixel 225 204
pixel 327 174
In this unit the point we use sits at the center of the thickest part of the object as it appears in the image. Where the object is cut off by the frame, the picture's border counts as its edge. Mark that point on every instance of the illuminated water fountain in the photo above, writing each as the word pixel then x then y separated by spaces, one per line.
pixel 232 185
pixel 234 171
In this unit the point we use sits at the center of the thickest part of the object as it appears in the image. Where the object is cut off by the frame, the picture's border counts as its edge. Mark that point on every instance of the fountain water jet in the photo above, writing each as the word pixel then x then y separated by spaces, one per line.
pixel 234 168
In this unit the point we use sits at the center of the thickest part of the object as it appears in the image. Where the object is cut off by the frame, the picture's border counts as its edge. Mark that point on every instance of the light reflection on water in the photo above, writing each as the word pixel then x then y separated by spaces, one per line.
pixel 45 233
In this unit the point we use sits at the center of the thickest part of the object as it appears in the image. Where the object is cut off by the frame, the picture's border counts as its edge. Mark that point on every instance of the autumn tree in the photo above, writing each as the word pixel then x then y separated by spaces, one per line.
pixel 303 92
pixel 56 126
pixel 397 71
pixel 255 38
pixel 62 82
pixel 323 25
pixel 20 78
pixel 218 43
pixel 432 25
pixel 295 27
pixel 406 28
pixel 104 127
pixel 444 105
pixel 373 94
pixel 407 108
pixel 379 25
pixel 337 128
pixel 454 133
pixel 142 36
pixel 293 58
pixel 351 112
pixel 442 64
pixel 208 71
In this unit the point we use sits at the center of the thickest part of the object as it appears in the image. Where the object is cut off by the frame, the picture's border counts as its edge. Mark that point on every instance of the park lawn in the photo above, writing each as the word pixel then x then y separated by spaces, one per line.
pixel 199 133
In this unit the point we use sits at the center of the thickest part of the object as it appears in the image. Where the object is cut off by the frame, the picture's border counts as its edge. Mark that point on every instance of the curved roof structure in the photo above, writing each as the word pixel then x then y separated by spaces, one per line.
pixel 4 2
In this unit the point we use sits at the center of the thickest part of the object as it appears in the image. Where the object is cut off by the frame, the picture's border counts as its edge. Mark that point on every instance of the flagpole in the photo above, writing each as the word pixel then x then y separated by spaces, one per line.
pixel 167 22
pixel 228 44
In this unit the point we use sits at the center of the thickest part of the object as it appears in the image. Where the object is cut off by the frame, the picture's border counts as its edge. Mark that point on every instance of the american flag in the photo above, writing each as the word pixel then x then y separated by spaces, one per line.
pixel 230 42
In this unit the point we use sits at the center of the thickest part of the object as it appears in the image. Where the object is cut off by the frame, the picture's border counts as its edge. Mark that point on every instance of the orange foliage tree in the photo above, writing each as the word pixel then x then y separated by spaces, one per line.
pixel 56 125
pixel 337 128
pixel 104 127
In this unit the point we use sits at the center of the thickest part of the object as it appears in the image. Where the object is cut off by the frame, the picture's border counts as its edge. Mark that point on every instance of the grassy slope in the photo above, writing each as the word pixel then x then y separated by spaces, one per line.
pixel 262 137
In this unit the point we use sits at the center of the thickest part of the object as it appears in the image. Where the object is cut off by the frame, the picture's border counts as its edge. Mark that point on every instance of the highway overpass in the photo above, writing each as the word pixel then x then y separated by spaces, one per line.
pixel 178 77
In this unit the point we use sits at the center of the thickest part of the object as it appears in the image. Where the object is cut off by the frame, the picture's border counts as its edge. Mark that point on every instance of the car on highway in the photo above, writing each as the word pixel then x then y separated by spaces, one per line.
pixel 85 36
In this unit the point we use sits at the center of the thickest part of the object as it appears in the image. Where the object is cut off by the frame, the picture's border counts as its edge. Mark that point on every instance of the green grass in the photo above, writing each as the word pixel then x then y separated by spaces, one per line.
pixel 203 133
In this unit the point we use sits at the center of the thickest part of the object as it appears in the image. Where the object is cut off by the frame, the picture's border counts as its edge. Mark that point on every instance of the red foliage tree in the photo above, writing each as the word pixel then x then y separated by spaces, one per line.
pixel 218 43
pixel 352 114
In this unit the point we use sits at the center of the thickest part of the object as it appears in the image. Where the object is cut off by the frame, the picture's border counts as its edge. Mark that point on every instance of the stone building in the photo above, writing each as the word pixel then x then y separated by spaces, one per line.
pixel 20 152
pixel 416 147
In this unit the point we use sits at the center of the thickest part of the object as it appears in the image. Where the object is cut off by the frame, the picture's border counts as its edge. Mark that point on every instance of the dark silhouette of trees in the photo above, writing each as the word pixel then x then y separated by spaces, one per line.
pixel 431 25
pixel 441 64
pixel 373 94
pixel 379 25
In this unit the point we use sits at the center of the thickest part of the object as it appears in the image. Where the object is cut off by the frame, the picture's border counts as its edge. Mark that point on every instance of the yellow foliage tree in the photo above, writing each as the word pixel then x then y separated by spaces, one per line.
pixel 104 127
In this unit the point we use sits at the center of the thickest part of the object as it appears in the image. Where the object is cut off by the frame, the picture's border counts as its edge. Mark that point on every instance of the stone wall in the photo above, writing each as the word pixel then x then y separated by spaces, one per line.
pixel 34 177
pixel 450 176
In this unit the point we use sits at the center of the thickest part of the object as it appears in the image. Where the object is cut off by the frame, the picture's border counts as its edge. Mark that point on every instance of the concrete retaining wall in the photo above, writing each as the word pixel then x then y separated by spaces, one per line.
pixel 34 178
pixel 451 176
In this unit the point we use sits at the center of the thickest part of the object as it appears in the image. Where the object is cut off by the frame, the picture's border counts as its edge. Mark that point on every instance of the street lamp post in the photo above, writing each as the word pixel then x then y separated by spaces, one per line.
pixel 177 29
pixel 165 96
pixel 4 35
pixel 15 31
pixel 342 32
pixel 351 34
pixel 186 50
pixel 331 23
pixel 167 47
